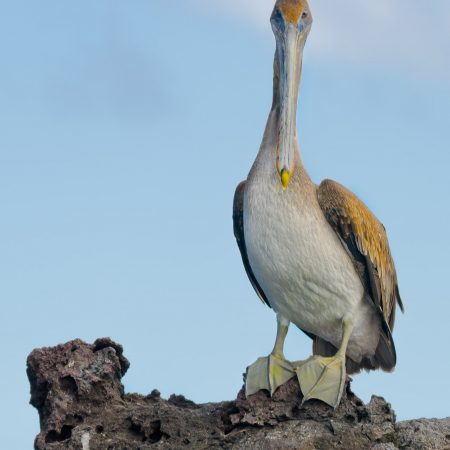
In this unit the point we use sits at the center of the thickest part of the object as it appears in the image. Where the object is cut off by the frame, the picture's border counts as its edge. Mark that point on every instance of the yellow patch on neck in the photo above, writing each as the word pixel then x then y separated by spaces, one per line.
pixel 291 9
pixel 285 178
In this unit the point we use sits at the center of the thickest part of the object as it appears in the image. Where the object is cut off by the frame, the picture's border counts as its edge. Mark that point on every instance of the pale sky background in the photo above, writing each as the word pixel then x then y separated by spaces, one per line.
pixel 125 127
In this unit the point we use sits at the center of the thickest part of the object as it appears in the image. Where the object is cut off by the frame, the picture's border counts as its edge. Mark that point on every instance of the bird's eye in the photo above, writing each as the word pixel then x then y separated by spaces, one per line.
pixel 277 20
pixel 304 14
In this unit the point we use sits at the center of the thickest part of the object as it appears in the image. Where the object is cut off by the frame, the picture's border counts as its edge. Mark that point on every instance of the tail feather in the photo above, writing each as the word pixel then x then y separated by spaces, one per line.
pixel 384 358
pixel 385 355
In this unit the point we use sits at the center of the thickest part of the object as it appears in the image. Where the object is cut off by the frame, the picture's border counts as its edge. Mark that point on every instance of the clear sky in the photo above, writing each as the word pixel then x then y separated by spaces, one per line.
pixel 125 127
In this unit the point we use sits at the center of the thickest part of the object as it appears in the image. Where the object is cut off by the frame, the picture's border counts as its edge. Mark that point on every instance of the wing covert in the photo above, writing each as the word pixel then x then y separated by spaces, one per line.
pixel 364 237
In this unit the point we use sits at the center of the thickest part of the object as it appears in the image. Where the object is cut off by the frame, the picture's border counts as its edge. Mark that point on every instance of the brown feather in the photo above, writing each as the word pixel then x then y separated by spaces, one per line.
pixel 365 240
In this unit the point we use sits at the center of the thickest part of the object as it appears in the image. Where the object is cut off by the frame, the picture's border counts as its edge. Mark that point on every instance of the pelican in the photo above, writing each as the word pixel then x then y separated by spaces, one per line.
pixel 315 254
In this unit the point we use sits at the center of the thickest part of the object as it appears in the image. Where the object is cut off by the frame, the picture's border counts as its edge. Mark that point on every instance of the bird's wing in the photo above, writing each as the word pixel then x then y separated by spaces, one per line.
pixel 365 239
pixel 238 226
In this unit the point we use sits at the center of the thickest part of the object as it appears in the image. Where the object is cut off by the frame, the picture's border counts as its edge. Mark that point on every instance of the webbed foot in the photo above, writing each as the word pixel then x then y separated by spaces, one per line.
pixel 268 373
pixel 322 378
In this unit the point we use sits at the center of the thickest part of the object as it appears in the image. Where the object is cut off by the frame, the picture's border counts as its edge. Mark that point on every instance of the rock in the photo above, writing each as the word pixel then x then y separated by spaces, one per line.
pixel 424 434
pixel 77 389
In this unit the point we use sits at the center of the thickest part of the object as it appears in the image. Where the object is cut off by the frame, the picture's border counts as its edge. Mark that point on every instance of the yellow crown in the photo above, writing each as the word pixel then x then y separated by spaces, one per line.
pixel 291 9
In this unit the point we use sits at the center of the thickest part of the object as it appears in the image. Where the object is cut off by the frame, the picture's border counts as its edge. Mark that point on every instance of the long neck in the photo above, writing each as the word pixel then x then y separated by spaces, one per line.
pixel 280 136
pixel 282 121
pixel 277 94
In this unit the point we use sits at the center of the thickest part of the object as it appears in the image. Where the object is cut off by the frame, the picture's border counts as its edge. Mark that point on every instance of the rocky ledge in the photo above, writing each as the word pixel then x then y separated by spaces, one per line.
pixel 76 388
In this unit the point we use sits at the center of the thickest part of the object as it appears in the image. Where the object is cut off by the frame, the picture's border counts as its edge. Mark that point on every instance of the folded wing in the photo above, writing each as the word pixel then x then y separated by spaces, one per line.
pixel 365 240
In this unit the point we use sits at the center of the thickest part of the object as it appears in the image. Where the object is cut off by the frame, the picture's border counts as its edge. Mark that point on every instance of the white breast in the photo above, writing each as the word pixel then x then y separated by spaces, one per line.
pixel 302 266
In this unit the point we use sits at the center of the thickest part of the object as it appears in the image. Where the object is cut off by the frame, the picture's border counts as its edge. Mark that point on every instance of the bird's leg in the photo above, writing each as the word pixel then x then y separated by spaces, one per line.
pixel 322 377
pixel 282 329
pixel 272 371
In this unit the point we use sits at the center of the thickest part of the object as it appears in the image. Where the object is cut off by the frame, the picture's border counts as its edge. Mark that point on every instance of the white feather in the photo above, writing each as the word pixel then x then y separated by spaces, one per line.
pixel 299 261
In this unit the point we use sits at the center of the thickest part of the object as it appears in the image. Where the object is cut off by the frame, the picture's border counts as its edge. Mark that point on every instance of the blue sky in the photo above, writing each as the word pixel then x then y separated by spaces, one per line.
pixel 126 127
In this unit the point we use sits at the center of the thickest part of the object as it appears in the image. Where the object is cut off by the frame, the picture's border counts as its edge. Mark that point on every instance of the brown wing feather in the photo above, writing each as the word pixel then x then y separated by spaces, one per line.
pixel 365 239
pixel 238 227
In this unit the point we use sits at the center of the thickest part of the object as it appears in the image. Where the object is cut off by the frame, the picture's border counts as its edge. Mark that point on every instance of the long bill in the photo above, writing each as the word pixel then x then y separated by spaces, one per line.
pixel 290 51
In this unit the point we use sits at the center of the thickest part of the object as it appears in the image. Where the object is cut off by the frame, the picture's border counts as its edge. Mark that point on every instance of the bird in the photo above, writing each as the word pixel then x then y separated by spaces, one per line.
pixel 313 253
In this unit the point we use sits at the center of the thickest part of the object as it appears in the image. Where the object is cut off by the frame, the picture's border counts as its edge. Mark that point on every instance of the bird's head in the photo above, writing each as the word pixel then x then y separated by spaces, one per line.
pixel 291 21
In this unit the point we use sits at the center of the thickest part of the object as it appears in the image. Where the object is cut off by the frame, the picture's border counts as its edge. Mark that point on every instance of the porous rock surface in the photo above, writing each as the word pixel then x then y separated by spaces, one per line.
pixel 76 388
